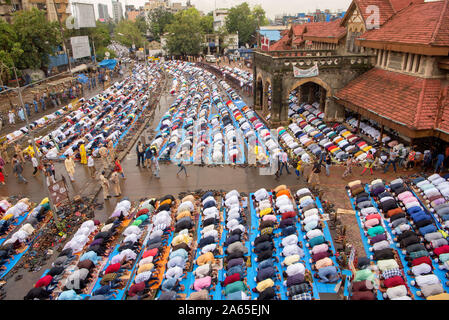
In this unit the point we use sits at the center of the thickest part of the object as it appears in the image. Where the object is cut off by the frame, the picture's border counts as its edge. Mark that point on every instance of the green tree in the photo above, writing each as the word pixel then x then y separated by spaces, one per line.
pixel 259 16
pixel 142 25
pixel 100 34
pixel 10 51
pixel 207 24
pixel 240 20
pixel 245 21
pixel 128 34
pixel 37 37
pixel 159 20
pixel 101 53
pixel 185 34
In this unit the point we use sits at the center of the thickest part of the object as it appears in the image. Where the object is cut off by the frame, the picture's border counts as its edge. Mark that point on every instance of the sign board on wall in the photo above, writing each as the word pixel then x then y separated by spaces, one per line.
pixel 84 15
pixel 80 47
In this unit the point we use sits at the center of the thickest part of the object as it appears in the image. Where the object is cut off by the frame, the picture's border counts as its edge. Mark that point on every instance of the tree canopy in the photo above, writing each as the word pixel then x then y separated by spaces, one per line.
pixel 127 33
pixel 245 21
pixel 28 40
pixel 142 25
pixel 159 20
pixel 186 32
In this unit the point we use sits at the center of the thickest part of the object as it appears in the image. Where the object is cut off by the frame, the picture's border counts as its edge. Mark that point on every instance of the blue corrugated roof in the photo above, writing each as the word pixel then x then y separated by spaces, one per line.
pixel 273 35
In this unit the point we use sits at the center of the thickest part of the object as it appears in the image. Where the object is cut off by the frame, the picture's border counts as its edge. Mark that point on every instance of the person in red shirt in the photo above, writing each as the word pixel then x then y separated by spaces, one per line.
pixel 114 268
pixel 118 167
pixel 230 279
pixel 45 281
pixel 393 282
pixel 138 289
pixel 289 214
pixel 441 250
pixel 150 253
pixel 418 261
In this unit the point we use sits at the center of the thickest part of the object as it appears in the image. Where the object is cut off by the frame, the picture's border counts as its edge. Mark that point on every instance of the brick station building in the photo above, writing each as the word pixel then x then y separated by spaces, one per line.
pixel 404 91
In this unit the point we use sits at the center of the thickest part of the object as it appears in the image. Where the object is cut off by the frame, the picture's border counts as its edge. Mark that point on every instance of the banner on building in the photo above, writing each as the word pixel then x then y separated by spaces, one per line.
pixel 80 47
pixel 265 44
pixel 306 73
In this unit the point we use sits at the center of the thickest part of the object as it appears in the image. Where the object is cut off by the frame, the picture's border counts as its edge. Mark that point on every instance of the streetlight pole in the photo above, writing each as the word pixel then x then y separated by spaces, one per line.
pixel 35 149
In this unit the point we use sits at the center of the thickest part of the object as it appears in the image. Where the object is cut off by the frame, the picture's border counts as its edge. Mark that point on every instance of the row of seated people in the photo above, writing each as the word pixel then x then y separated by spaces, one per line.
pixel 152 262
pixel 109 278
pixel 235 261
pixel 182 248
pixel 435 191
pixel 414 251
pixel 421 240
pixel 297 279
pixel 265 249
pixel 73 268
pixel 206 274
pixel 320 248
pixel 395 218
pixel 393 280
pixel 10 214
pixel 20 239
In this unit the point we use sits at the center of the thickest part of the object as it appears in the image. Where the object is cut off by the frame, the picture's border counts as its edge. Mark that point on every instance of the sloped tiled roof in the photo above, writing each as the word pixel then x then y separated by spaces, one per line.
pixel 424 24
pixel 406 99
pixel 325 29
pixel 281 44
pixel 443 123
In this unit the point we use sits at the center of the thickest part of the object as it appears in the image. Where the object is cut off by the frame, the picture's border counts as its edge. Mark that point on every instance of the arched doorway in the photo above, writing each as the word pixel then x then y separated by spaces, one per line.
pixel 258 93
pixel 312 90
pixel 266 106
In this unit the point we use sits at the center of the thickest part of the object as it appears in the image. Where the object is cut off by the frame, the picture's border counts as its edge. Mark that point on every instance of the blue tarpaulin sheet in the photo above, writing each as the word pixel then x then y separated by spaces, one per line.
pixel 83 78
pixel 108 63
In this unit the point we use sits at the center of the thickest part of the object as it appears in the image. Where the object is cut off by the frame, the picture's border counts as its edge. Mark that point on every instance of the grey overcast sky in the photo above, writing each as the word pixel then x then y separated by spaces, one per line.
pixel 272 7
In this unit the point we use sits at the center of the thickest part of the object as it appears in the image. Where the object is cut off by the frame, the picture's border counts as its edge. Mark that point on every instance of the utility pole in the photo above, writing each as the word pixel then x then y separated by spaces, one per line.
pixel 36 151
pixel 61 30
pixel 95 55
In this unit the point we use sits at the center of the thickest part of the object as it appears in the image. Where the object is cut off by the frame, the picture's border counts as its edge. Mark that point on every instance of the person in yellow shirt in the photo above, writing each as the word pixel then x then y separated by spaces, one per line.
pixel 30 151
pixel 182 238
pixel 264 212
pixel 83 154
pixel 183 214
pixel 298 169
pixel 265 284
pixel 205 258
pixel 145 267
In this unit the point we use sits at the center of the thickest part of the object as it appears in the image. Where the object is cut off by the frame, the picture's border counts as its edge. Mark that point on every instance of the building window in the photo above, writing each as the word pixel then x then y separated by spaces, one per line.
pixel 350 44
pixel 411 63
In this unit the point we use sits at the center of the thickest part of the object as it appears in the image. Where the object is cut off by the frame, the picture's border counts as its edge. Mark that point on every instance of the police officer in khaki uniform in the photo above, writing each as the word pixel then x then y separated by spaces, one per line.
pixel 116 183
pixel 103 151
pixel 19 152
pixel 105 185
pixel 4 151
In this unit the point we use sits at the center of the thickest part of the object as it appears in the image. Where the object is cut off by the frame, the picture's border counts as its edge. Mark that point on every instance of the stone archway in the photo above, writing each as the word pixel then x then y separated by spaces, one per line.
pixel 312 90
pixel 266 91
pixel 315 80
pixel 259 93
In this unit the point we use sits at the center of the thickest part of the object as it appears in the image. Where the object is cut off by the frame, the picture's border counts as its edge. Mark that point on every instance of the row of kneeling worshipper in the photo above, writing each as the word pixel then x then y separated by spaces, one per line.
pixel 412 231
pixel 182 249
pixel 391 279
pixel 206 265
pixel 77 267
pixel 435 191
pixel 21 224
pixel 235 284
